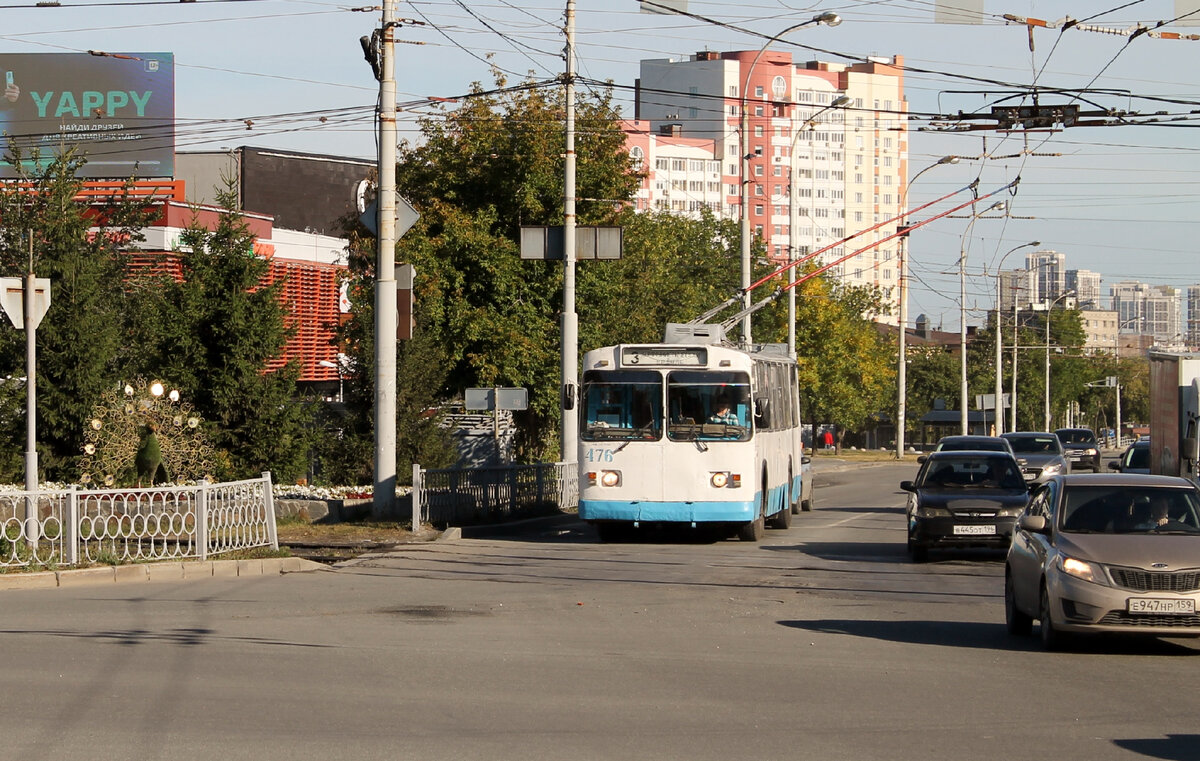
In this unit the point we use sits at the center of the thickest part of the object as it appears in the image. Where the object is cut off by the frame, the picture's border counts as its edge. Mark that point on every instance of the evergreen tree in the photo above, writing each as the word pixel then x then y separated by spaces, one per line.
pixel 83 340
pixel 213 335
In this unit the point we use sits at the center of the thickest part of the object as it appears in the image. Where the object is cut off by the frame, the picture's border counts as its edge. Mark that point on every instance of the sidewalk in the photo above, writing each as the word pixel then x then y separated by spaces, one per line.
pixel 164 571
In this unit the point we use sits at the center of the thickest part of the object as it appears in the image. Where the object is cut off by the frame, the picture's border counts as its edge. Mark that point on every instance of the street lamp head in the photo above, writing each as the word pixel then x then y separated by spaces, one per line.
pixel 829 19
pixel 841 100
pixel 948 160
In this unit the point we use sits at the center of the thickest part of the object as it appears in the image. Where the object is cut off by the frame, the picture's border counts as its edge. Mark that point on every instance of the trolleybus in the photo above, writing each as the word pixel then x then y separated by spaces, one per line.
pixel 692 433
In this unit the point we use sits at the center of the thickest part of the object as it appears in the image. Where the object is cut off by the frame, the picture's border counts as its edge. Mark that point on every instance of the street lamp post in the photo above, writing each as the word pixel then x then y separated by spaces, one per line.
pixel 962 313
pixel 1046 405
pixel 999 374
pixel 794 215
pixel 902 320
pixel 831 19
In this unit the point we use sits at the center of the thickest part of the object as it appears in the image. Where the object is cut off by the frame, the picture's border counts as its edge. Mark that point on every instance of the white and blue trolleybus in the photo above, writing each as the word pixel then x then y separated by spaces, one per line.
pixel 689 432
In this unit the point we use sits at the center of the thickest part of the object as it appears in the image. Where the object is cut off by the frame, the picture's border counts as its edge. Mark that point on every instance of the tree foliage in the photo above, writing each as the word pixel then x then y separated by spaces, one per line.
pixel 82 340
pixel 213 334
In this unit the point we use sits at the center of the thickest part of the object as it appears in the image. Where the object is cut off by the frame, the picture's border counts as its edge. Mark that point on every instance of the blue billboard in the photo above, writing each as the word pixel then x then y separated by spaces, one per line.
pixel 117 109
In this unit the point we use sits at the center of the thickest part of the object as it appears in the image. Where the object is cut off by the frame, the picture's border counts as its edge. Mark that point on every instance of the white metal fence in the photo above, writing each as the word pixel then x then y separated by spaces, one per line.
pixel 469 496
pixel 73 526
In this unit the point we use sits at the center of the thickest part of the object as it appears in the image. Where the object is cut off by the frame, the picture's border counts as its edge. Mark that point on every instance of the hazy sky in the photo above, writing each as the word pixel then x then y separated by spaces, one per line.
pixel 1120 200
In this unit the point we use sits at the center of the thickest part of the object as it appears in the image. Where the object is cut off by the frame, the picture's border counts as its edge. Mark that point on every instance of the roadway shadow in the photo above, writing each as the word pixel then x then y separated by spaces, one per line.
pixel 566 528
pixel 891 553
pixel 1171 747
pixel 987 636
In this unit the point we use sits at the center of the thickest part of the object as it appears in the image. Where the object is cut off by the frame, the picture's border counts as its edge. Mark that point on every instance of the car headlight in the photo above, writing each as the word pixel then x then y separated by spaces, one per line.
pixel 1090 452
pixel 1082 569
pixel 1010 512
pixel 1052 468
pixel 929 511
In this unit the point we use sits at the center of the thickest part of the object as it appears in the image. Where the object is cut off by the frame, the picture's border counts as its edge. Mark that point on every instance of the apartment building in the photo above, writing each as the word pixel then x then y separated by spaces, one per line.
pixel 1087 287
pixel 1049 279
pixel 828 139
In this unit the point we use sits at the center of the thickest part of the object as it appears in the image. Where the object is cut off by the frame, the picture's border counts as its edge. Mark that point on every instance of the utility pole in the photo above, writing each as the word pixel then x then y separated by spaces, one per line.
pixel 386 316
pixel 570 320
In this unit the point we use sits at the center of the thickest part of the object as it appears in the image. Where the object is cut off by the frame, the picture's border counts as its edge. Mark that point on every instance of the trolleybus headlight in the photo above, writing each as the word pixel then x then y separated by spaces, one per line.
pixel 610 478
pixel 719 480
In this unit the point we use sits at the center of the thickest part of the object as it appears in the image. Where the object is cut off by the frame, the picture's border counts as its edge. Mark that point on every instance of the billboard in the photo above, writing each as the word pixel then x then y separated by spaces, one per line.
pixel 118 109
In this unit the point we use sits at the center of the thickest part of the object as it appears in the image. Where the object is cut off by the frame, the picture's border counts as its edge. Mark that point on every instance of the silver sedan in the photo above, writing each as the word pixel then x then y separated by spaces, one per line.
pixel 1106 553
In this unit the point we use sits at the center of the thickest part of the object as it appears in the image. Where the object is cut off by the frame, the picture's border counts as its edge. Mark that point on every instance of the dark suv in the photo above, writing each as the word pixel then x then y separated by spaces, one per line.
pixel 1081 448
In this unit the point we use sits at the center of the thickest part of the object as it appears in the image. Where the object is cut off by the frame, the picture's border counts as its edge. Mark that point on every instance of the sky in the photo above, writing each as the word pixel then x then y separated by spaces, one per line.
pixel 1121 200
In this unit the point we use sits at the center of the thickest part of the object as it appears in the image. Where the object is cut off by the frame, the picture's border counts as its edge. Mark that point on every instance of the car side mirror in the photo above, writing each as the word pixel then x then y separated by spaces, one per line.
pixel 1114 465
pixel 921 459
pixel 805 460
pixel 1033 523
pixel 907 486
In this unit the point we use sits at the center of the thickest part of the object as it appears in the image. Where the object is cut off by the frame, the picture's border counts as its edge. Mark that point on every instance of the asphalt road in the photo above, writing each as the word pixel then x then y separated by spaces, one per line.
pixel 821 642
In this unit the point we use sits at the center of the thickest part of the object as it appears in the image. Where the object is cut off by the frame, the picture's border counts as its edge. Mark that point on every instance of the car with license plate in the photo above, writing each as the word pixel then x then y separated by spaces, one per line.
pixel 1081 447
pixel 1135 458
pixel 1039 453
pixel 963 499
pixel 1106 553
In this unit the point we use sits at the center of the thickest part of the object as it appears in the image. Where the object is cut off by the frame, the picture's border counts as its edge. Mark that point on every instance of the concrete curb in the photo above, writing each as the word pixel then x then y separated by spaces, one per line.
pixel 167 571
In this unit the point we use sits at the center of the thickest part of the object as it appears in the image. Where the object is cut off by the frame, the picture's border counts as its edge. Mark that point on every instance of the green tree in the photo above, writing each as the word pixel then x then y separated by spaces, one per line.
pixel 82 341
pixel 481 172
pixel 847 369
pixel 214 334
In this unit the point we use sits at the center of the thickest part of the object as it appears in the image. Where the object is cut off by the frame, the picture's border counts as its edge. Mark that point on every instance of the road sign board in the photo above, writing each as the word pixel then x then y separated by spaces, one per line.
pixel 496 399
pixel 406 217
pixel 12 298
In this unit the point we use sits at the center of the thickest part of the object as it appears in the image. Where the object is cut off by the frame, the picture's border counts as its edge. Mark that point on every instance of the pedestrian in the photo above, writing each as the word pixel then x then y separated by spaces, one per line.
pixel 827 439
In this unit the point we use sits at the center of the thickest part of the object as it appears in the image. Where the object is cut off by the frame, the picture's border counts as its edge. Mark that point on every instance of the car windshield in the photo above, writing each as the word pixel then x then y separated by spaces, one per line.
pixel 1130 510
pixel 1076 436
pixel 1139 457
pixel 1035 444
pixel 972 472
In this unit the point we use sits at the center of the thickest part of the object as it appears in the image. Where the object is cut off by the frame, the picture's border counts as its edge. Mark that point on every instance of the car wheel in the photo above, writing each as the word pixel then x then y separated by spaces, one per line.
pixel 1018 623
pixel 1052 639
pixel 806 504
pixel 918 552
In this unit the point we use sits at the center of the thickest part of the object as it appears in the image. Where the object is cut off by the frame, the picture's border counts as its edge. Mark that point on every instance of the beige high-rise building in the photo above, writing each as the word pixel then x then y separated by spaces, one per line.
pixel 849 158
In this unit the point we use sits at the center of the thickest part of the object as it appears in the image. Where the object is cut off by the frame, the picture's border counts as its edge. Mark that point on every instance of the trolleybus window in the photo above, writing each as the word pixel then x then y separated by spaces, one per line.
pixel 709 406
pixel 622 405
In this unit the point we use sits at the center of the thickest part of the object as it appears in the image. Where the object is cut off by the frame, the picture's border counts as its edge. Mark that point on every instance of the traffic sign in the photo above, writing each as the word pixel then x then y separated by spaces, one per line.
pixel 406 217
pixel 12 298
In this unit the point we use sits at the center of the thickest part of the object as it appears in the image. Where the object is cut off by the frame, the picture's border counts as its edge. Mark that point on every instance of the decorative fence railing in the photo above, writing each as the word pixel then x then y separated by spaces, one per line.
pixel 79 526
pixel 468 496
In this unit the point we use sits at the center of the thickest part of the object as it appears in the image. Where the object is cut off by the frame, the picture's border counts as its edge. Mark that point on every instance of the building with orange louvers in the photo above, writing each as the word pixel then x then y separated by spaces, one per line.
pixel 313 192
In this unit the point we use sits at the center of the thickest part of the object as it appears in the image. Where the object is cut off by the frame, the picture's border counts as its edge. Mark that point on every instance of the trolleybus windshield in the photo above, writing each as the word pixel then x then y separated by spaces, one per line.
pixel 708 406
pixel 622 405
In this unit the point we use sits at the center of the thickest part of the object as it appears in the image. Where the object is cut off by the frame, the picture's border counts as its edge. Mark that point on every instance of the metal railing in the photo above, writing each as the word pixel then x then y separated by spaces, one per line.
pixel 73 526
pixel 469 496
